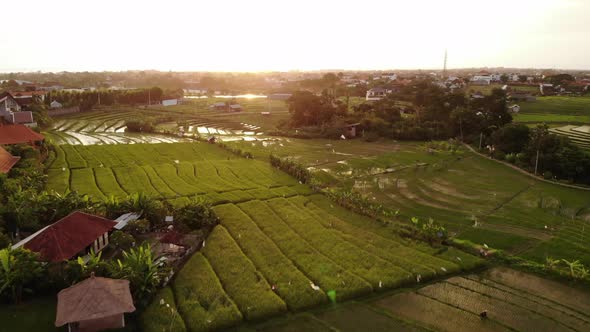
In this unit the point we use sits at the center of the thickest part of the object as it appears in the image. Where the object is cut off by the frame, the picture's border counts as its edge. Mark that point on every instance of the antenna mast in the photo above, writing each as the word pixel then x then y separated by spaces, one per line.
pixel 445 65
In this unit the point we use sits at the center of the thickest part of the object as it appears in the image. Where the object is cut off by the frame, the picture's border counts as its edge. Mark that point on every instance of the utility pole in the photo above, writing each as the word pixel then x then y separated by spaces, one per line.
pixel 461 126
pixel 537 161
pixel 480 139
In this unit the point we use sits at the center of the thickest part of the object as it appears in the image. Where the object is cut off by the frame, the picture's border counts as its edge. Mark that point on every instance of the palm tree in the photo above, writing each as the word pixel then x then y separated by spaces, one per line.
pixel 573 266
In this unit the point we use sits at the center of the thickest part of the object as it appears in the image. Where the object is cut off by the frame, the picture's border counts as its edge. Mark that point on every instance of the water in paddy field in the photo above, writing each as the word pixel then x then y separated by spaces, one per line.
pixel 246 96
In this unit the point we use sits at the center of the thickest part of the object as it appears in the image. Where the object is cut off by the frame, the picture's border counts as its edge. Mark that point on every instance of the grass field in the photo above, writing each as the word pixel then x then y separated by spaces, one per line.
pixel 476 198
pixel 555 109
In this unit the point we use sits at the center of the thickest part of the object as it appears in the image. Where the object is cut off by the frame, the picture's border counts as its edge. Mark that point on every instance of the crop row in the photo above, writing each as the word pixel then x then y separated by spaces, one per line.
pixel 377 271
pixel 200 297
pixel 77 156
pixel 242 282
pixel 418 263
pixel 326 273
pixel 290 283
pixel 507 313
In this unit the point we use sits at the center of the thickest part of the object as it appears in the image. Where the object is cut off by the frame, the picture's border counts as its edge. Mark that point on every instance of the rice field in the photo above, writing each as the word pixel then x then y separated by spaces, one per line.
pixel 476 198
pixel 106 125
pixel 166 171
pixel 513 301
pixel 555 109
pixel 283 254
pixel 579 135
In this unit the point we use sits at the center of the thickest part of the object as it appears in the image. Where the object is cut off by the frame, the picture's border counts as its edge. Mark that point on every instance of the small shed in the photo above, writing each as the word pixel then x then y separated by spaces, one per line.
pixel 94 304
pixel 220 106
pixel 350 130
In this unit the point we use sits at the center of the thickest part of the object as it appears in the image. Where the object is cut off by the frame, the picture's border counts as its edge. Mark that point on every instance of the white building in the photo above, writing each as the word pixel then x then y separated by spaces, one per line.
pixel 170 102
pixel 55 104
pixel 376 94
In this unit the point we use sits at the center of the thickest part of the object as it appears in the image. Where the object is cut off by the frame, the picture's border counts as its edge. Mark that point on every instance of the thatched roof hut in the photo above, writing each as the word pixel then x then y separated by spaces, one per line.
pixel 94 304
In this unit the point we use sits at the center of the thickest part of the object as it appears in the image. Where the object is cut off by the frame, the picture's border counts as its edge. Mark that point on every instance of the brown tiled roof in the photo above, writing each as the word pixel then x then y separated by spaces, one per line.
pixel 69 236
pixel 18 134
pixel 7 161
pixel 93 298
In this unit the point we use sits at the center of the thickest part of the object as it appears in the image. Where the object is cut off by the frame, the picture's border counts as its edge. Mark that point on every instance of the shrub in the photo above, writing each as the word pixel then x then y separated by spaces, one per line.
pixel 292 168
pixel 196 214
pixel 121 240
pixel 547 175
pixel 139 226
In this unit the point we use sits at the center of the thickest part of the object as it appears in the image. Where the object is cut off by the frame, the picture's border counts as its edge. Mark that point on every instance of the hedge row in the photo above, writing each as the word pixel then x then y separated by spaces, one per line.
pixel 327 274
pixel 162 314
pixel 201 299
pixel 243 283
pixel 377 271
pixel 290 283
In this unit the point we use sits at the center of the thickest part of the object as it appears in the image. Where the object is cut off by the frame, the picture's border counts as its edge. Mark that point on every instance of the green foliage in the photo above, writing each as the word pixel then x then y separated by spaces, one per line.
pixel 19 269
pixel 430 230
pixel 162 315
pixel 121 240
pixel 79 269
pixel 292 168
pixel 137 227
pixel 196 214
pixel 139 267
pixel 307 109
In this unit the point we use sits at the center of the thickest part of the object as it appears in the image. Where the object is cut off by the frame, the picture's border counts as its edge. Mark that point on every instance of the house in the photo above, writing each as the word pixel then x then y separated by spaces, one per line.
pixel 12 111
pixel 521 96
pixel 55 104
pixel 18 134
pixel 547 89
pixel 7 161
pixel 482 78
pixel 94 304
pixel 514 108
pixel 171 102
pixel 37 95
pixel 235 108
pixel 72 236
pixel 220 106
pixel 376 94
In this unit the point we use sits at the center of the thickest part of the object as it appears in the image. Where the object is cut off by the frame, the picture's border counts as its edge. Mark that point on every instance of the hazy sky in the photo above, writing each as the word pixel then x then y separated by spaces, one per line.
pixel 254 35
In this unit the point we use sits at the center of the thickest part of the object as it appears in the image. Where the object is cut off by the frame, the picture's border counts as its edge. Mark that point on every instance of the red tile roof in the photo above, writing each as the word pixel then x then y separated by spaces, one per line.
pixel 69 236
pixel 7 161
pixel 23 117
pixel 18 134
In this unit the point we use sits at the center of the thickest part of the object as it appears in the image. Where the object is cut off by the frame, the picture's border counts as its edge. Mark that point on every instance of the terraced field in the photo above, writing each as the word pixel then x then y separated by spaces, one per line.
pixel 290 254
pixel 579 135
pixel 170 171
pixel 106 125
pixel 513 301
pixel 476 198
pixel 555 109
